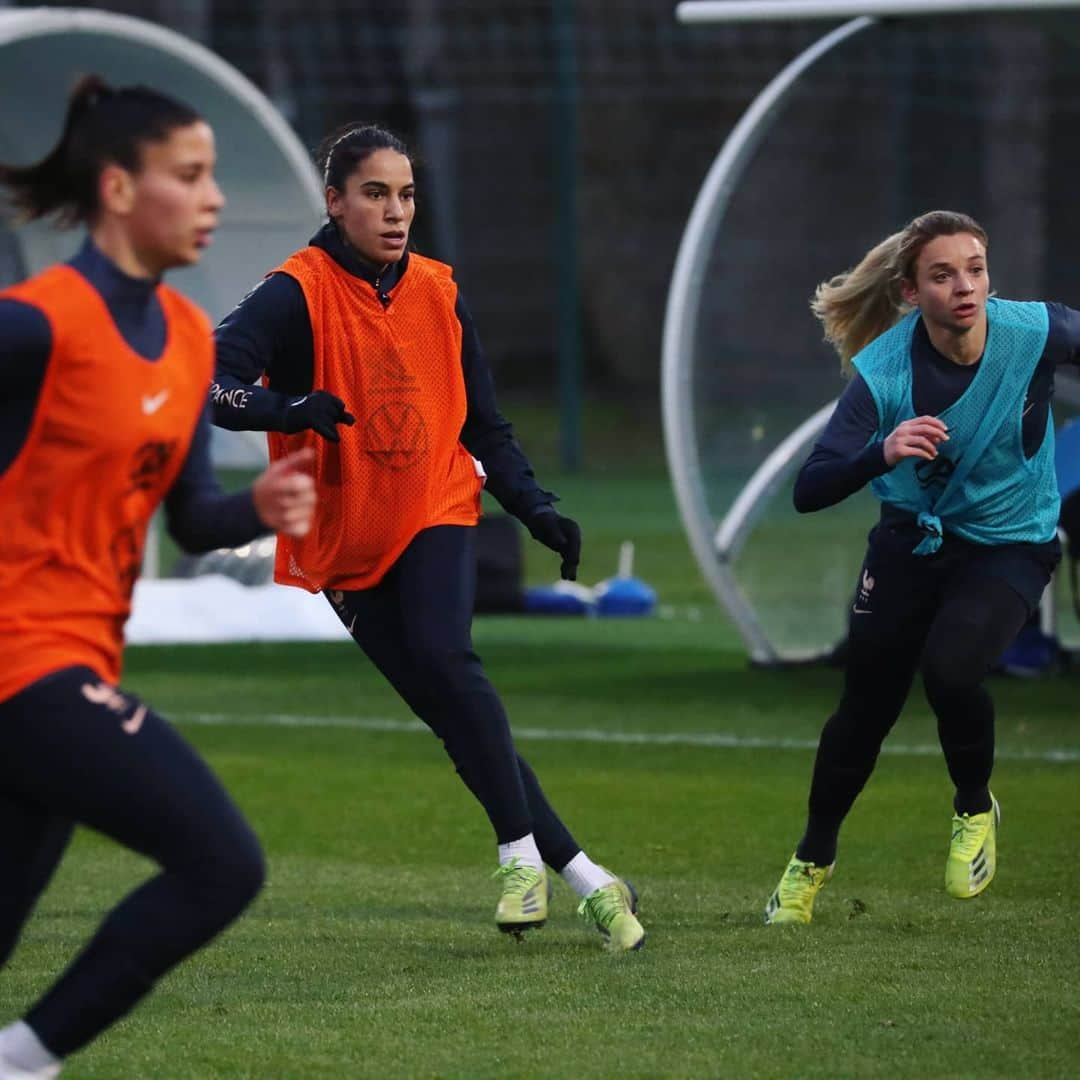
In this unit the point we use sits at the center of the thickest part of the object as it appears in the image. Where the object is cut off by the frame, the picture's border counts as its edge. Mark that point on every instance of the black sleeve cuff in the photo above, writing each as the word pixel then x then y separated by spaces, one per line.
pixel 215 520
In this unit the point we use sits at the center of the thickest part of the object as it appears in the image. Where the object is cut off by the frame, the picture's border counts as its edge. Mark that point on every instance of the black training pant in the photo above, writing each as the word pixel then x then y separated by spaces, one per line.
pixel 74 750
pixel 950 615
pixel 415 626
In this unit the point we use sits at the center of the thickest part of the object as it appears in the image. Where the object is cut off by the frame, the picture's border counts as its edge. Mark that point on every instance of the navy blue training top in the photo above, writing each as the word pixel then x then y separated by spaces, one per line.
pixel 269 332
pixel 848 455
pixel 199 515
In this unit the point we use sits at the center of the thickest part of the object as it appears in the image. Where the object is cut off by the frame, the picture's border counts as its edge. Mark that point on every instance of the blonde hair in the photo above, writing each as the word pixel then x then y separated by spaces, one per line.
pixel 861 304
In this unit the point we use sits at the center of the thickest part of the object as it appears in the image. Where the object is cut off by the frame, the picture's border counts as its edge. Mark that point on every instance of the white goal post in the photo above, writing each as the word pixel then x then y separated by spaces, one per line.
pixel 728 11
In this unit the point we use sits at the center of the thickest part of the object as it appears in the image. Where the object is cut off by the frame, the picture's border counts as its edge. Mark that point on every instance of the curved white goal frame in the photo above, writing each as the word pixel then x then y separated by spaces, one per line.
pixel 713 548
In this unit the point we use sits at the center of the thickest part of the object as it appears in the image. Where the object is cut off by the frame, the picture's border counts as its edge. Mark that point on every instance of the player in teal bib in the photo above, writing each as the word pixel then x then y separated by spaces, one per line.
pixel 992 493
pixel 947 417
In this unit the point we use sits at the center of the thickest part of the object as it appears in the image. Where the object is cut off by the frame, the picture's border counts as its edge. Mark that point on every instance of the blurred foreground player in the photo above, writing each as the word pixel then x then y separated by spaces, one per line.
pixel 103 377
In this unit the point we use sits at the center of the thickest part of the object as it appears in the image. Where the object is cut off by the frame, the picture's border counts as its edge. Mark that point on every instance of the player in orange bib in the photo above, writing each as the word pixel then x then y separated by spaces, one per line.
pixel 103 416
pixel 369 357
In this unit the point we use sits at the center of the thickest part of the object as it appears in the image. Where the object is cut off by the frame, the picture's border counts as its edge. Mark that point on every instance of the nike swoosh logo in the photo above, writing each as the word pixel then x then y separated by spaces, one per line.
pixel 298 401
pixel 101 694
pixel 132 726
pixel 352 624
pixel 150 405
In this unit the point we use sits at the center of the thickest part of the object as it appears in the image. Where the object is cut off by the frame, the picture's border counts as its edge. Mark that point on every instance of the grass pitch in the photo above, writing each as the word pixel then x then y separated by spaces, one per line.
pixel 373 953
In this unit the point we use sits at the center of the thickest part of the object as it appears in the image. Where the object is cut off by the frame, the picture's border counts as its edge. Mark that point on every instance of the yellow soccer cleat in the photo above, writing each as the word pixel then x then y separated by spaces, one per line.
pixel 612 909
pixel 972 859
pixel 523 904
pixel 793 900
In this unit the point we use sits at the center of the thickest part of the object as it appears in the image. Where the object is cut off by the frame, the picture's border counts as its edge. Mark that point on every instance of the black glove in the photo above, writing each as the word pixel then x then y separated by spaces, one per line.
pixel 318 411
pixel 561 534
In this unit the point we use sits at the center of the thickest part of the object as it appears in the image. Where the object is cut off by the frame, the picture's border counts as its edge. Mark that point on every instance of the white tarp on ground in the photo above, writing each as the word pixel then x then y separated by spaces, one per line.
pixel 215 609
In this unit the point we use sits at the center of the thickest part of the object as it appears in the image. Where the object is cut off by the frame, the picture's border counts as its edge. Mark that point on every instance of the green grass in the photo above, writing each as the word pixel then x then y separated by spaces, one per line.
pixel 372 951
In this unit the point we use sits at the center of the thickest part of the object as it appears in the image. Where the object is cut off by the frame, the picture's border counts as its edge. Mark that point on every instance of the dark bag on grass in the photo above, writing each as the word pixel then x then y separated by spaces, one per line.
pixel 500 572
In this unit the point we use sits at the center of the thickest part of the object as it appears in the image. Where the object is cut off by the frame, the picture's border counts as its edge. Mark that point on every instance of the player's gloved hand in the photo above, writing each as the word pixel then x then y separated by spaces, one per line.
pixel 561 534
pixel 319 411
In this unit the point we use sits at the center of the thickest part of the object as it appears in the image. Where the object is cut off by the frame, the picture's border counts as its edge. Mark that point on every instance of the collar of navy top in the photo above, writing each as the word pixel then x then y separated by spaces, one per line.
pixel 921 345
pixel 132 302
pixel 380 278
pixel 109 279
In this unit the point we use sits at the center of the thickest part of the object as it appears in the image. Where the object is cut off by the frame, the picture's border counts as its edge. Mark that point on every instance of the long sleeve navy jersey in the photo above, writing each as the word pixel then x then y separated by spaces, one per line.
pixel 269 333
pixel 849 454
pixel 199 515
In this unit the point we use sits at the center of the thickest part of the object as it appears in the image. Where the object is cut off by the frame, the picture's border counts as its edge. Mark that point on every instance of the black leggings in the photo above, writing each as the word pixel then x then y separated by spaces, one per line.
pixel 415 626
pixel 73 750
pixel 951 615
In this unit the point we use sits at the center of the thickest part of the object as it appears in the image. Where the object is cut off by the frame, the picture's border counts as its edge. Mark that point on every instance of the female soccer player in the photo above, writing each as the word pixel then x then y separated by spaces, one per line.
pixel 103 415
pixel 948 418
pixel 356 325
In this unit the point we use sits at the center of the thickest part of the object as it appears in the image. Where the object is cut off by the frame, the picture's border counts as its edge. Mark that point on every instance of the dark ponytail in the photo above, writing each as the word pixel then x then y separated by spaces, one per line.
pixel 343 150
pixel 102 125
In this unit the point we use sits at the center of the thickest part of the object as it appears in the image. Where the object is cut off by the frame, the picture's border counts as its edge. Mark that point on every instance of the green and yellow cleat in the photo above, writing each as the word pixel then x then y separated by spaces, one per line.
pixel 972 859
pixel 793 900
pixel 612 909
pixel 523 904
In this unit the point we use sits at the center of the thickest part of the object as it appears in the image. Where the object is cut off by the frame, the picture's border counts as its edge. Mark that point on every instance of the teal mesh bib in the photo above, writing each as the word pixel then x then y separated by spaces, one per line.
pixel 980 486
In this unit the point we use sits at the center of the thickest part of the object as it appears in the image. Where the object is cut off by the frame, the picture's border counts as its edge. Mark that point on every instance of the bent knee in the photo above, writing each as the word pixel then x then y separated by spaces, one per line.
pixel 228 874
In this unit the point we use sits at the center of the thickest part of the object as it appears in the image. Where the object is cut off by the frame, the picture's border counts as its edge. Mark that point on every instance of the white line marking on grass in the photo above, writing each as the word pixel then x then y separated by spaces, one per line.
pixel 701 739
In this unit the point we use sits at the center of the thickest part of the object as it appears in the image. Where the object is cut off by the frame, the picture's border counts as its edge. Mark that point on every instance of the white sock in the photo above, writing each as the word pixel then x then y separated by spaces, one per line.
pixel 524 850
pixel 20 1046
pixel 584 876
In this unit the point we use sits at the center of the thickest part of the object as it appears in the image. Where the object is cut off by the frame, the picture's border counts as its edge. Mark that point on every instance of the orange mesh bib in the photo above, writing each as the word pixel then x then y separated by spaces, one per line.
pixel 401 468
pixel 108 438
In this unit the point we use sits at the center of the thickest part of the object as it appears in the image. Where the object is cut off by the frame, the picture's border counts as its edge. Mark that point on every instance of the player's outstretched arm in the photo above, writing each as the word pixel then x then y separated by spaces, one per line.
pixel 269 334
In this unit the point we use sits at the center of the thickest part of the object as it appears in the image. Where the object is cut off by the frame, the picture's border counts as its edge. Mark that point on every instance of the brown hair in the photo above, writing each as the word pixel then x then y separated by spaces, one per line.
pixel 861 304
pixel 343 150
